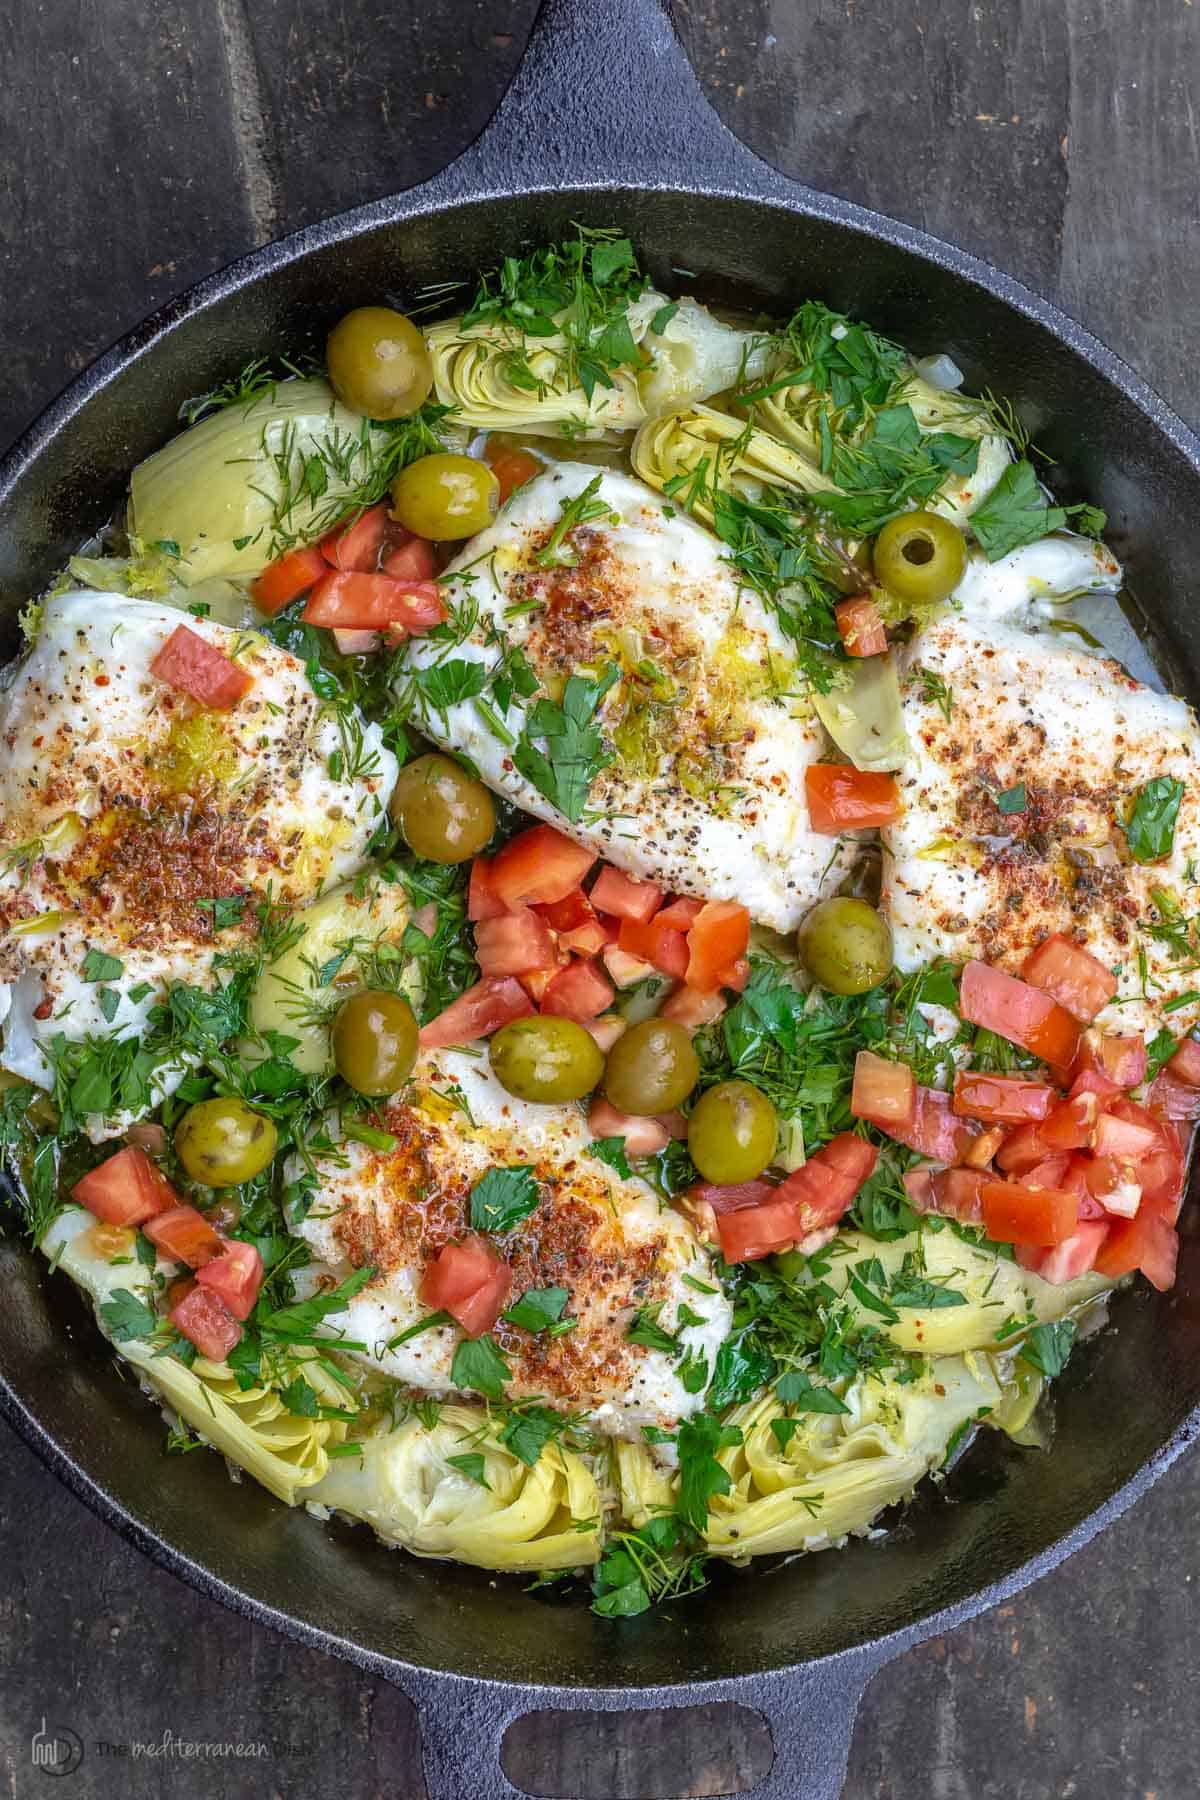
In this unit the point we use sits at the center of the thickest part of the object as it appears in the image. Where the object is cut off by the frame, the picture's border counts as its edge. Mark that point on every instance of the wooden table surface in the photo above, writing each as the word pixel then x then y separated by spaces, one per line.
pixel 145 142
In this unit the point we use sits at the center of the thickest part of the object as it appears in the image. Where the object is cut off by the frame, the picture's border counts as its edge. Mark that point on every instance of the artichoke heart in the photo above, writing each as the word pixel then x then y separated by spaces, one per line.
pixel 408 1488
pixel 286 1452
pixel 339 937
pixel 837 1471
pixel 230 491
pixel 865 718
pixel 715 450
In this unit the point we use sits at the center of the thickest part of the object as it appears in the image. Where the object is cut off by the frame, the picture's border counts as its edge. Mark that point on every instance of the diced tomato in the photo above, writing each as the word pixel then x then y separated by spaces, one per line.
pixel 1185 1064
pixel 606 1030
pixel 1079 981
pixel 536 981
pixel 1115 1185
pixel 731 1197
pixel 958 1193
pixel 1124 1139
pixel 125 1189
pixel 623 897
pixel 539 867
pixel 665 949
pixel 1096 1083
pixel 1023 1149
pixel 1013 1214
pixel 470 1282
pixel 573 910
pixel 185 1235
pixel 1071 1124
pixel 643 1136
pixel 412 560
pixel 918 1189
pixel 828 1181
pixel 883 1092
pixel 585 940
pixel 1051 1173
pixel 1177 1099
pixel 356 545
pixel 1121 1060
pixel 484 1008
pixel 1076 1255
pixel 235 1276
pixel 288 578
pixel 1147 1243
pixel 1161 1171
pixel 626 970
pixel 516 941
pixel 860 626
pixel 983 1148
pixel 355 643
pixel 682 913
pixel 692 1009
pixel 483 902
pixel 1000 1099
pixel 511 467
pixel 935 1132
pixel 842 798
pixel 1075 1181
pixel 749 1232
pixel 717 938
pixel 190 663
pixel 204 1319
pixel 581 991
pixel 1018 1012
pixel 374 602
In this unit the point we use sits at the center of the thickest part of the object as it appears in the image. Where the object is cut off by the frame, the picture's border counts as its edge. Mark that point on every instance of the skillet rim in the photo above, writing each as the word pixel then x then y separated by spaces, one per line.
pixel 468 183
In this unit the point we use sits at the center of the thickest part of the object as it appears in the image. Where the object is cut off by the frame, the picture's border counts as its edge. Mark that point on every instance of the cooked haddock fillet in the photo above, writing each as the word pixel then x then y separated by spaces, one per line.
pixel 964 878
pixel 123 804
pixel 709 731
pixel 600 1236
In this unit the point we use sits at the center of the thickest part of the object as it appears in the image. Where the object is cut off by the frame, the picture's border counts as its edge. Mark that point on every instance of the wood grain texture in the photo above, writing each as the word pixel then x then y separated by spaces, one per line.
pixel 147 141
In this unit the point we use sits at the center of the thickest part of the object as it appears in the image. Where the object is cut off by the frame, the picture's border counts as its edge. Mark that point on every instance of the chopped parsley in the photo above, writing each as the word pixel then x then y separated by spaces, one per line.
pixel 538 1308
pixel 572 752
pixel 99 966
pixel 503 1197
pixel 1150 825
pixel 478 1365
pixel 1048 1347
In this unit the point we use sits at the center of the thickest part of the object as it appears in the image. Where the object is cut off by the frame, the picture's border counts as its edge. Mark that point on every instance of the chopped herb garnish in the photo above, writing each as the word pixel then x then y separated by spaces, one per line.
pixel 478 1365
pixel 573 754
pixel 503 1197
pixel 1150 826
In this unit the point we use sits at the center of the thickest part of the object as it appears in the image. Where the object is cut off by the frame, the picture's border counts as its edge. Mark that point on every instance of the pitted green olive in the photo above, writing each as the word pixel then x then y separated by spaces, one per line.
pixel 224 1142
pixel 920 557
pixel 375 1041
pixel 846 945
pixel 651 1069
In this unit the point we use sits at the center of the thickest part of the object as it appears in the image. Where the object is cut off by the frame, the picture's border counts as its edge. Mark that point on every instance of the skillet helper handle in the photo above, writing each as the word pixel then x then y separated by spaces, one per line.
pixel 604 96
pixel 810 1714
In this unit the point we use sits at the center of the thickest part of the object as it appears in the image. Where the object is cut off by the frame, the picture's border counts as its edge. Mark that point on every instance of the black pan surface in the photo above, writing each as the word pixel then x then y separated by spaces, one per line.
pixel 605 124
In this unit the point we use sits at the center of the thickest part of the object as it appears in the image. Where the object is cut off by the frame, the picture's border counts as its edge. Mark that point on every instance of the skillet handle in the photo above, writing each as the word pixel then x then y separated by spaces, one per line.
pixel 810 1713
pixel 603 97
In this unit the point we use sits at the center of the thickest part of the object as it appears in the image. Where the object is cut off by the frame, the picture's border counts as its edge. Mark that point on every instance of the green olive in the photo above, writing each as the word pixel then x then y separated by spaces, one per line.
pixel 548 1059
pixel 445 496
pixel 651 1068
pixel 378 364
pixel 920 557
pixel 224 1142
pixel 846 945
pixel 375 1041
pixel 732 1132
pixel 445 814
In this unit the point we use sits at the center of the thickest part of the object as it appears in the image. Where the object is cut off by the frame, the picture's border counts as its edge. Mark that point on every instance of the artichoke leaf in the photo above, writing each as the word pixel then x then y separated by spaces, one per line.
pixel 865 718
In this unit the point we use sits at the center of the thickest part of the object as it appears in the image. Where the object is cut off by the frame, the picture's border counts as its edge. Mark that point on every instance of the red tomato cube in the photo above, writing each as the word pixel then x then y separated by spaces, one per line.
pixel 185 1235
pixel 539 867
pixel 842 798
pixel 1018 1012
pixel 623 897
pixel 470 1282
pixel 935 1132
pixel 1147 1243
pixel 749 1232
pixel 516 941
pixel 717 938
pixel 1013 1214
pixel 1079 981
pixel 413 560
pixel 682 913
pixel 883 1092
pixel 483 1009
pixel 1076 1255
pixel 288 578
pixel 235 1276
pixel 1000 1099
pixel 205 1320
pixel 190 663
pixel 643 1136
pixel 827 1184
pixel 374 603
pixel 665 949
pixel 483 902
pixel 356 544
pixel 860 627
pixel 125 1189
pixel 581 991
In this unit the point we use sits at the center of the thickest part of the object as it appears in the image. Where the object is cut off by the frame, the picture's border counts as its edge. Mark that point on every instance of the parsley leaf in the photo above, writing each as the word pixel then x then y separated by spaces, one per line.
pixel 662 318
pixel 701 1476
pixel 529 1429
pixel 127 1316
pixel 447 684
pixel 99 966
pixel 296 1323
pixel 645 1329
pixel 226 911
pixel 473 1465
pixel 1011 800
pixel 798 1390
pixel 574 749
pixel 478 1364
pixel 1159 1051
pixel 611 1150
pixel 503 1197
pixel 1016 512
pixel 1150 827
pixel 1048 1347
pixel 538 1307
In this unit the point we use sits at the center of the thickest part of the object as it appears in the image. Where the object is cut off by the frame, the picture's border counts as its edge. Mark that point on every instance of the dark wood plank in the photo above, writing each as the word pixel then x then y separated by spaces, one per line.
pixel 1058 142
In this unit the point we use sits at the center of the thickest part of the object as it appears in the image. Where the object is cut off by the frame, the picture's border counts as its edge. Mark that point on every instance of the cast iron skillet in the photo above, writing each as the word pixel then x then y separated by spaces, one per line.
pixel 605 124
